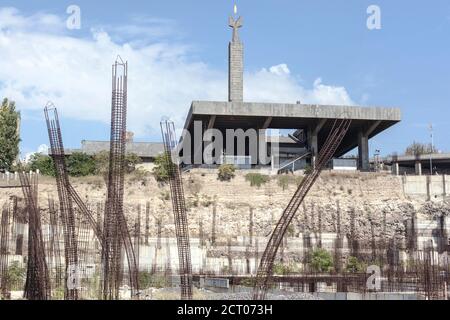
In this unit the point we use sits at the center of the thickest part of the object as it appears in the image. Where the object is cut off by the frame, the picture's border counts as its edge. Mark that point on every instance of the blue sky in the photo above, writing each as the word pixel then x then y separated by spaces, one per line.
pixel 184 43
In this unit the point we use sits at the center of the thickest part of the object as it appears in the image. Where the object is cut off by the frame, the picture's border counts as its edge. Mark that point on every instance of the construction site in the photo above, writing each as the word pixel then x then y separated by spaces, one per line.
pixel 304 223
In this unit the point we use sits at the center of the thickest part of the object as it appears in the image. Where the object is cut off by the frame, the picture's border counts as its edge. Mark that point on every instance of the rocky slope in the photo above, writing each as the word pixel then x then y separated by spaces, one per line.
pixel 361 205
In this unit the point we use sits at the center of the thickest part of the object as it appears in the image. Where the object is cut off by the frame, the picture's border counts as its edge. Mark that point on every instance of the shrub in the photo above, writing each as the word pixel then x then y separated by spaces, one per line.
pixel 321 260
pixel 165 196
pixel 80 165
pixel 291 230
pixel 248 282
pixel 256 179
pixel 283 269
pixel 43 163
pixel 131 161
pixel 15 275
pixel 195 201
pixel 147 280
pixel 140 176
pixel 308 169
pixel 283 181
pixel 354 265
pixel 226 172
pixel 193 185
pixel 207 201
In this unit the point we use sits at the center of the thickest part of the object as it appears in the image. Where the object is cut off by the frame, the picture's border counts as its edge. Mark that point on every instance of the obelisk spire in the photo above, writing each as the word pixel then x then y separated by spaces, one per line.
pixel 235 61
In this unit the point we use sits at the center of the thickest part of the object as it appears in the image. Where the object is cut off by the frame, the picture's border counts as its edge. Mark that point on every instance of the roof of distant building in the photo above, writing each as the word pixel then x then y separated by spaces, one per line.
pixel 141 149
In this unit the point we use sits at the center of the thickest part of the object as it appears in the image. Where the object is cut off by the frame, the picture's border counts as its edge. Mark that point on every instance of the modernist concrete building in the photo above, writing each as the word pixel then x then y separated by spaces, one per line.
pixel 311 122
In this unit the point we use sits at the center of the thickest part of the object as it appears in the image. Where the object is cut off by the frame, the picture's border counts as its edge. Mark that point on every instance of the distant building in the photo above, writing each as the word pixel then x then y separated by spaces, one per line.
pixel 419 164
pixel 147 151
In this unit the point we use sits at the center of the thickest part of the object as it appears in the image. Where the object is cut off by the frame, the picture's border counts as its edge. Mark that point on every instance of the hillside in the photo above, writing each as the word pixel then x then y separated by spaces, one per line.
pixel 364 205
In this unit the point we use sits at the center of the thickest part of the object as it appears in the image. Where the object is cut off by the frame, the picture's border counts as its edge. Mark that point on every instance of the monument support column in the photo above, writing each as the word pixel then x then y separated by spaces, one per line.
pixel 363 151
pixel 396 168
pixel 363 145
pixel 313 137
pixel 418 166
pixel 313 141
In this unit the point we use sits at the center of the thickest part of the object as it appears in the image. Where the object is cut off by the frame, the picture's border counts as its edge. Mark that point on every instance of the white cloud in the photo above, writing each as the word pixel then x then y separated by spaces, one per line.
pixel 42 149
pixel 12 20
pixel 142 29
pixel 38 63
pixel 277 85
pixel 281 69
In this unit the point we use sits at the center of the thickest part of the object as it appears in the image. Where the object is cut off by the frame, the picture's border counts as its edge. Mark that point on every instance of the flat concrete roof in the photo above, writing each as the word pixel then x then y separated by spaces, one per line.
pixel 284 110
pixel 246 115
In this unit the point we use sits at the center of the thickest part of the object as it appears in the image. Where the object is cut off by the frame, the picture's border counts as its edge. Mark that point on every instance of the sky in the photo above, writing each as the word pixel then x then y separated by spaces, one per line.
pixel 313 51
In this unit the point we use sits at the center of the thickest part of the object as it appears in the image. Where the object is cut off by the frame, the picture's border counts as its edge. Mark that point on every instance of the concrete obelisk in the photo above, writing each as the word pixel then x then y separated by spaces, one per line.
pixel 235 62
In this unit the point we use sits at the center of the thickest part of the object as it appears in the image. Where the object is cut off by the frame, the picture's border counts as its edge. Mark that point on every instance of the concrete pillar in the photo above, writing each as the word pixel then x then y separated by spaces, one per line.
pixel 444 187
pixel 396 169
pixel 363 151
pixel 313 140
pixel 429 188
pixel 314 145
pixel 418 167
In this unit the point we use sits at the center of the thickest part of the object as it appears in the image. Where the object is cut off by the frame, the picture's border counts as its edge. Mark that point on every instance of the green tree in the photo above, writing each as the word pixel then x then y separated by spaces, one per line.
pixel 321 260
pixel 80 165
pixel 43 163
pixel 9 134
pixel 101 160
pixel 162 167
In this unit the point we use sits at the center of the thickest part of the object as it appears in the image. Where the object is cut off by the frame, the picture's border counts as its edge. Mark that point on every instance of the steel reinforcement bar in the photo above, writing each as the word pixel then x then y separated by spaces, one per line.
pixel 179 210
pixel 265 270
